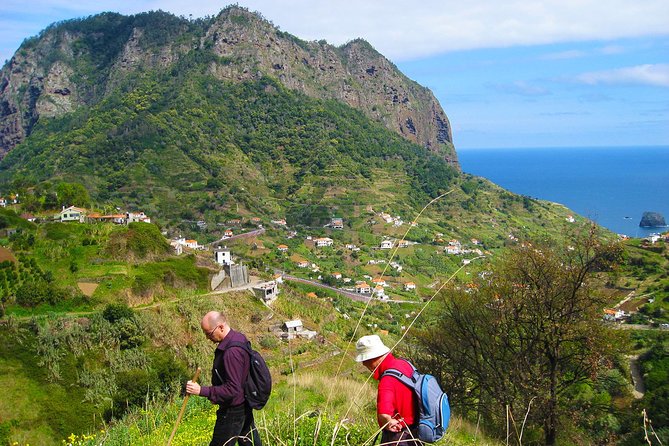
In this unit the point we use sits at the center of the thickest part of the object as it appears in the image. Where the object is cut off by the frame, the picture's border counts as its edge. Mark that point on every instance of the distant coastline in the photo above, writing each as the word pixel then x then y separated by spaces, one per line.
pixel 612 186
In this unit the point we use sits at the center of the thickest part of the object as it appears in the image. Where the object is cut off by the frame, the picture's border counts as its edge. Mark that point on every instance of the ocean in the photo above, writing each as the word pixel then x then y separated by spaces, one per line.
pixel 612 186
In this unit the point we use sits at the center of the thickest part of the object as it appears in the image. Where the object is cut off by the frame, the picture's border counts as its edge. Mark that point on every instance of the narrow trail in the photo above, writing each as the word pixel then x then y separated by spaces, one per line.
pixel 637 378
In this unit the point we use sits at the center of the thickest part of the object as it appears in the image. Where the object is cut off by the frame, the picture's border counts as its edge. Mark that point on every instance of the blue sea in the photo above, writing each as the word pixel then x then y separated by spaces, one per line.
pixel 612 186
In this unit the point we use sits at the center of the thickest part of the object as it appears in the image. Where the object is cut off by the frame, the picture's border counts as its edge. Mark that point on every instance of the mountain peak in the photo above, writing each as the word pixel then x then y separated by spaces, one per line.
pixel 81 62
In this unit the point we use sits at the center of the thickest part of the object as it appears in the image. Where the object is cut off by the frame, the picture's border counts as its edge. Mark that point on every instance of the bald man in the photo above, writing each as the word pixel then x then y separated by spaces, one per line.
pixel 234 418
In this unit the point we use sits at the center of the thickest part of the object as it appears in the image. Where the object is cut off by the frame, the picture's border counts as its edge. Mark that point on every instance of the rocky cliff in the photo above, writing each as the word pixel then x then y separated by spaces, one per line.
pixel 81 62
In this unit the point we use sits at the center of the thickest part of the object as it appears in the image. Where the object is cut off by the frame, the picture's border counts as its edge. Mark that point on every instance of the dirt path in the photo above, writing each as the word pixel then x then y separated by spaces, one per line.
pixel 637 378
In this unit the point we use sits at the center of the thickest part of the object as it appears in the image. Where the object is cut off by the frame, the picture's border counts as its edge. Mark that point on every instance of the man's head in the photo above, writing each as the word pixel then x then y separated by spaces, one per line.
pixel 371 351
pixel 215 326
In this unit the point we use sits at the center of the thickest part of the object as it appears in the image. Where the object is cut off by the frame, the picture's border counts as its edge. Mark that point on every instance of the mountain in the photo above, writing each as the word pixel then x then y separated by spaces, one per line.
pixel 228 117
pixel 79 63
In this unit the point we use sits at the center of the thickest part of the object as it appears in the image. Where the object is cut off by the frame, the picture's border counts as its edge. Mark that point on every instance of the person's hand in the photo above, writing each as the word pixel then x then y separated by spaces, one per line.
pixel 394 425
pixel 192 388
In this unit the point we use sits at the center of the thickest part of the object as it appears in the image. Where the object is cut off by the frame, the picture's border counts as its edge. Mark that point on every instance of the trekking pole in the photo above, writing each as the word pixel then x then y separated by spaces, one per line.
pixel 183 408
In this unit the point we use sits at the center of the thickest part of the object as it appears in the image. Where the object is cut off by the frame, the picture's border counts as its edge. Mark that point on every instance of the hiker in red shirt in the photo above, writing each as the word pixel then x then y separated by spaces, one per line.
pixel 396 405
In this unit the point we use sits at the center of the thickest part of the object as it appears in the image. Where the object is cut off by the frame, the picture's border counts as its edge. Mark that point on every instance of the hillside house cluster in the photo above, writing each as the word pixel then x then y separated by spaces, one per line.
pixel 395 221
pixel 614 315
pixel 180 243
pixel 11 199
pixel 454 247
pixel 81 215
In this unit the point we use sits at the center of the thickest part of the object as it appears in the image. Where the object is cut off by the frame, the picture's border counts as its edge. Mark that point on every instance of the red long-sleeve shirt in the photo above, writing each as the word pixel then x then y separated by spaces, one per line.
pixel 393 397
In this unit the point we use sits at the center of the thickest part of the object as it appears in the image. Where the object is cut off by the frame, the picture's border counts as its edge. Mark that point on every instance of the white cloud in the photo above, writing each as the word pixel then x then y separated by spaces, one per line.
pixel 404 30
pixel 408 30
pixel 648 74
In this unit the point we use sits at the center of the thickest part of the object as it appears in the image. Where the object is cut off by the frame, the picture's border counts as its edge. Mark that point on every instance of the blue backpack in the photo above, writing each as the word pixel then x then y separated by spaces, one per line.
pixel 434 411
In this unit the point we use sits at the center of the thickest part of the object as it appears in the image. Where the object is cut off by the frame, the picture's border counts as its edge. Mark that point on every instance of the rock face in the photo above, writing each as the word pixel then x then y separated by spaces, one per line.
pixel 80 63
pixel 652 220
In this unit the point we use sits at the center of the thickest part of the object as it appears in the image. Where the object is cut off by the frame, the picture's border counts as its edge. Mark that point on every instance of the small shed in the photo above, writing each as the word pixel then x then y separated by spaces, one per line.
pixel 293 326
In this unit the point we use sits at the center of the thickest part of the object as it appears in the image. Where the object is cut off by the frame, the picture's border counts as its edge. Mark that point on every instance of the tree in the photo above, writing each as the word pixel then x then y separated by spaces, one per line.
pixel 524 335
pixel 72 194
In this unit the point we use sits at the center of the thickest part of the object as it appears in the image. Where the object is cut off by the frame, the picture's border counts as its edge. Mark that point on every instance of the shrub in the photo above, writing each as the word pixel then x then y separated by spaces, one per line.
pixel 31 294
pixel 117 311
pixel 129 332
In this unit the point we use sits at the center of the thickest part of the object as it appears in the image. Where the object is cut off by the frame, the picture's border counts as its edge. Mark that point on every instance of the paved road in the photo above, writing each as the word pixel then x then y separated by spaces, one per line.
pixel 353 296
pixel 253 233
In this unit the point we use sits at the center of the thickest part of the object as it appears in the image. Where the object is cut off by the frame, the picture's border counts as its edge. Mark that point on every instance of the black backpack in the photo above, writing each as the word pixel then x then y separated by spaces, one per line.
pixel 258 385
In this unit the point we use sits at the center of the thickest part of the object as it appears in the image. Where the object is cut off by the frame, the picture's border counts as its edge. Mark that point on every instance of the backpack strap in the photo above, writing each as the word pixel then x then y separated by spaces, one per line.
pixel 243 345
pixel 409 381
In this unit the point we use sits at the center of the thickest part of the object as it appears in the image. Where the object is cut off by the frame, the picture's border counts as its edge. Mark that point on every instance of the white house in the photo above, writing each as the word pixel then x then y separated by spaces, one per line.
pixel 282 248
pixel 132 217
pixel 362 288
pixel 396 265
pixel 386 244
pixel 324 241
pixel 379 281
pixel 452 249
pixel 267 291
pixel 178 247
pixel 337 223
pixel 409 286
pixel 223 256
pixel 613 314
pixel 192 244
pixel 71 214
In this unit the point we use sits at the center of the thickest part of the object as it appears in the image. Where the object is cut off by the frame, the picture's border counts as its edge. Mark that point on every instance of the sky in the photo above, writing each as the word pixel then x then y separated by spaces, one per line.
pixel 512 73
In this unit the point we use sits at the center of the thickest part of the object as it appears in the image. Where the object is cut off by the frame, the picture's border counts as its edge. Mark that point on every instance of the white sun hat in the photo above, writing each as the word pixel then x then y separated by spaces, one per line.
pixel 370 347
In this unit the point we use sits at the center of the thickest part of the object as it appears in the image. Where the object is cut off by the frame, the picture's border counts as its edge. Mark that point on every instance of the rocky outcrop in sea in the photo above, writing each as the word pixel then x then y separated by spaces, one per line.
pixel 652 220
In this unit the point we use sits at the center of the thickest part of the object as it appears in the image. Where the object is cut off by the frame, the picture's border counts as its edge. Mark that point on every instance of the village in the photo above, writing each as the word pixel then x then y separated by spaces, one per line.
pixel 378 274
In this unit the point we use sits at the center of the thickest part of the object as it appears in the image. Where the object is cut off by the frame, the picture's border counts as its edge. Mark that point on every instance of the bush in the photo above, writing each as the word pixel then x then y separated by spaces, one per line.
pixel 116 312
pixel 129 332
pixel 31 294
pixel 133 386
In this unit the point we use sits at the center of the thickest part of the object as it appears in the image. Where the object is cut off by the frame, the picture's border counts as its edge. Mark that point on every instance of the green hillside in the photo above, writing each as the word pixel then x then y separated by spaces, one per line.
pixel 100 322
